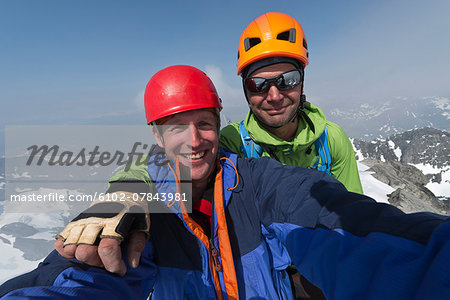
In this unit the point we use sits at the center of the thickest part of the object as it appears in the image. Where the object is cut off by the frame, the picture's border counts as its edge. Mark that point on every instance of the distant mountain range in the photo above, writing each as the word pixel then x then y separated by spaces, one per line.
pixel 428 146
pixel 371 121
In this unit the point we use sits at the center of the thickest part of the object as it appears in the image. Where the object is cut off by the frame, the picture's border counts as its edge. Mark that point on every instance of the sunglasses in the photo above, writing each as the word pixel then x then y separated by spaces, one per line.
pixel 284 81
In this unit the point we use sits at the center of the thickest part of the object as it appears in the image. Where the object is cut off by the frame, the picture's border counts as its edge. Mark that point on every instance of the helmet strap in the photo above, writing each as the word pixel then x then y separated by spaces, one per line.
pixel 302 94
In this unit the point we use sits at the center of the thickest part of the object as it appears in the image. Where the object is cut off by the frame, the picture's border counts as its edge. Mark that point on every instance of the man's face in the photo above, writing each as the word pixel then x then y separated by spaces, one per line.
pixel 274 108
pixel 193 138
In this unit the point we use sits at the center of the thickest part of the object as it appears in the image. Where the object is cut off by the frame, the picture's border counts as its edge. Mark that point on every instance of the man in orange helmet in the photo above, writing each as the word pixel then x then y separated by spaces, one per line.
pixel 281 124
pixel 251 218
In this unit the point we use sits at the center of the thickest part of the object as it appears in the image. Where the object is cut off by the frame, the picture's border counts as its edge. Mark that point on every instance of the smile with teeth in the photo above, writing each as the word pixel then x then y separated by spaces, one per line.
pixel 195 156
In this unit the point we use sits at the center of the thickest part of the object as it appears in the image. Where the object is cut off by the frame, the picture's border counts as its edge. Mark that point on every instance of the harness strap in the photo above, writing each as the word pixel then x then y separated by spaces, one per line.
pixel 249 148
pixel 324 162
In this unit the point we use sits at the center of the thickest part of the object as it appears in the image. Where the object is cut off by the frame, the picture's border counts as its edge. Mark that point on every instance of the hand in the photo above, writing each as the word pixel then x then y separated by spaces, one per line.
pixel 107 254
pixel 109 223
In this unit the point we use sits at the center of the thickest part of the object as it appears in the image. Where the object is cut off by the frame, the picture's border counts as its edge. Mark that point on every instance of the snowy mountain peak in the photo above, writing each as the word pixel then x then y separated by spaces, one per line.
pixel 380 120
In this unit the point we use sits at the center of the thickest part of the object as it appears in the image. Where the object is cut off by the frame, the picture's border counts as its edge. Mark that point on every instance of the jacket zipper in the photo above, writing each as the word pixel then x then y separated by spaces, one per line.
pixel 215 256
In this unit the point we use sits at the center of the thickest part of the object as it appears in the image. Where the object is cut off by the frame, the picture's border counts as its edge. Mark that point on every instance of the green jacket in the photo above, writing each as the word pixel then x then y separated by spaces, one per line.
pixel 294 152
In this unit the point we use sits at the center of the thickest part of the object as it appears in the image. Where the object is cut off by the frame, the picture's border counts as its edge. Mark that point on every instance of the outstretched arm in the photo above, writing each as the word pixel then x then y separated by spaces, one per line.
pixel 349 245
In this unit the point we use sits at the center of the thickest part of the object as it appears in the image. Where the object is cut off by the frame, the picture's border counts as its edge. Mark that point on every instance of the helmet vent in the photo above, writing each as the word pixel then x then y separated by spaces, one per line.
pixel 251 42
pixel 305 45
pixel 288 35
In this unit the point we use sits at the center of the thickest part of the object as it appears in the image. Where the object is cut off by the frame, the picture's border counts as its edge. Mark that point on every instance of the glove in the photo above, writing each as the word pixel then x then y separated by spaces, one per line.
pixel 112 219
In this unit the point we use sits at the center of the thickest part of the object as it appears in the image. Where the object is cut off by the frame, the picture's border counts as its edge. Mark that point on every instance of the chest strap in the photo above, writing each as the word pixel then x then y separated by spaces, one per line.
pixel 251 149
pixel 324 161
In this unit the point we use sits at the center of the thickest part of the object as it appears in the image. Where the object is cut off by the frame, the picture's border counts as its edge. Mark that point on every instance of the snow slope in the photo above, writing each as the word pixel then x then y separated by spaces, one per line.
pixel 373 187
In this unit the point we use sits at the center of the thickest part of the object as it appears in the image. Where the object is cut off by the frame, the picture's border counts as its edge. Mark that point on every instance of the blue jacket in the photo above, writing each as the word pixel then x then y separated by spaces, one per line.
pixel 345 243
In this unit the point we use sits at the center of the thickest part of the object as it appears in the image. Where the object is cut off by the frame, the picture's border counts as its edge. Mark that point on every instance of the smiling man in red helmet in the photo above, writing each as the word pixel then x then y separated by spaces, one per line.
pixel 183 95
pixel 251 219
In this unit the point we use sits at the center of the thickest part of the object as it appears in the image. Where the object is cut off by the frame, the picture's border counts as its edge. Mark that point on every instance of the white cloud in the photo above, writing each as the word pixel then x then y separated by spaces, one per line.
pixel 136 108
pixel 233 100
pixel 139 99
pixel 231 96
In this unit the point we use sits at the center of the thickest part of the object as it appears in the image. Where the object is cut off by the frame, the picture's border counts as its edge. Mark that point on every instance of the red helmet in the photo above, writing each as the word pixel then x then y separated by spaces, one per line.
pixel 177 89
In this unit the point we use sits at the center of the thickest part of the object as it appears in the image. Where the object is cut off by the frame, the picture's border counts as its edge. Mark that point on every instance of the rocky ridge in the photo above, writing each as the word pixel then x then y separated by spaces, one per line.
pixel 393 161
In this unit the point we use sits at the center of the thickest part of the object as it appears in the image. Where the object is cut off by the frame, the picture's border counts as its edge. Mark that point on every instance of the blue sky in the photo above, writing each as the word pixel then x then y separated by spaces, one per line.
pixel 87 62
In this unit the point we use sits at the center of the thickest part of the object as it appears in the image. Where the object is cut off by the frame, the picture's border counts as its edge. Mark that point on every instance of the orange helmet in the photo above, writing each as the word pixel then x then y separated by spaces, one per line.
pixel 272 35
pixel 178 89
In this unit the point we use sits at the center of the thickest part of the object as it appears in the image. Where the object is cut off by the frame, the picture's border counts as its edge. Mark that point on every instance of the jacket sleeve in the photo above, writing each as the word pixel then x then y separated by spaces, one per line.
pixel 60 278
pixel 346 243
pixel 344 167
